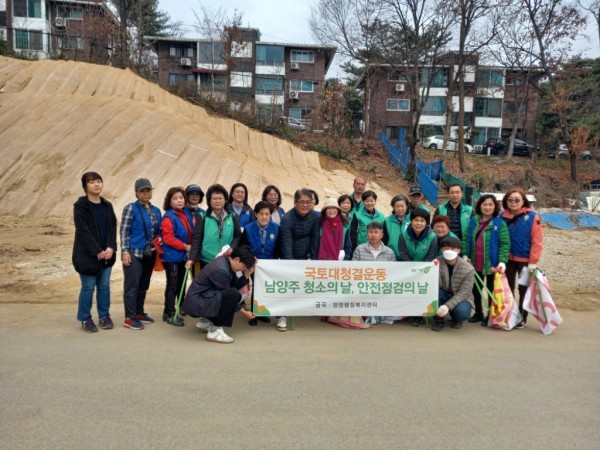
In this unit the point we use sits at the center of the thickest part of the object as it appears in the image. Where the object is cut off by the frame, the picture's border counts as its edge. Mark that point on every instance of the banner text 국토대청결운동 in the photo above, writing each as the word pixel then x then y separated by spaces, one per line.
pixel 355 288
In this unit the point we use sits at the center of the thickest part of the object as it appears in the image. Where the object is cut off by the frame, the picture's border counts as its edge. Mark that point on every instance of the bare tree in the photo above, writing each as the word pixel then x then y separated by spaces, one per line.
pixel 593 7
pixel 476 23
pixel 554 25
pixel 417 32
pixel 352 26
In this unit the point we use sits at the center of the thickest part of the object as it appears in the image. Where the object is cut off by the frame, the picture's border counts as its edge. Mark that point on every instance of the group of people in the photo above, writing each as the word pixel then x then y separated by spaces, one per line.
pixel 469 244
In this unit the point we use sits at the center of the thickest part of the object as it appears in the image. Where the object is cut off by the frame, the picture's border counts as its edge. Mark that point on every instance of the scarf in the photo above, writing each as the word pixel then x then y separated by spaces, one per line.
pixel 331 239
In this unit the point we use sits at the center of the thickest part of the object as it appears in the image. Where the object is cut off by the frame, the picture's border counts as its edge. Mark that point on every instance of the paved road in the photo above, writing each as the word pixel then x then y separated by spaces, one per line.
pixel 318 386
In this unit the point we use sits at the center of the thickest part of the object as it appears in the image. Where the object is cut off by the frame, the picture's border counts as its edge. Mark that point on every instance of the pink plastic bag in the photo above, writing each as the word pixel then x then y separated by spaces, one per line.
pixel 504 311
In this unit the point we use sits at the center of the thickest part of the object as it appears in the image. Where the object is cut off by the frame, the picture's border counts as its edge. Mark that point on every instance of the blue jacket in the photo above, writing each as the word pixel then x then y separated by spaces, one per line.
pixel 520 234
pixel 137 236
pixel 245 217
pixel 173 255
pixel 493 251
pixel 251 237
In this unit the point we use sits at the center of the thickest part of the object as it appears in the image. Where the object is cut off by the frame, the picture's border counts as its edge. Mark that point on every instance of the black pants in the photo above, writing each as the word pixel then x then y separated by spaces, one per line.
pixel 513 269
pixel 136 281
pixel 489 282
pixel 230 299
pixel 175 273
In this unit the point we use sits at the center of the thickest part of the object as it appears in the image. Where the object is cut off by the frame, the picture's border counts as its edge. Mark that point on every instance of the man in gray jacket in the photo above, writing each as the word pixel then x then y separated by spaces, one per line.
pixel 374 249
pixel 456 286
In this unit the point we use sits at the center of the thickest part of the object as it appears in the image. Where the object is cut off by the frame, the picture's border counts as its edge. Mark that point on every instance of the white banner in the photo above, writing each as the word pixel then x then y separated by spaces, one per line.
pixel 345 288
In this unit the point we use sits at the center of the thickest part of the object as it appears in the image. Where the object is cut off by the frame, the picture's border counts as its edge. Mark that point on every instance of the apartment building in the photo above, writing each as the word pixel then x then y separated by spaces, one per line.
pixel 494 98
pixel 69 29
pixel 269 79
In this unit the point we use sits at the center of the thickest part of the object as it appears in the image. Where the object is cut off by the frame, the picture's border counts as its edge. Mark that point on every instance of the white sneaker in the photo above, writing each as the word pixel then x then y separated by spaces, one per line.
pixel 282 324
pixel 204 325
pixel 219 337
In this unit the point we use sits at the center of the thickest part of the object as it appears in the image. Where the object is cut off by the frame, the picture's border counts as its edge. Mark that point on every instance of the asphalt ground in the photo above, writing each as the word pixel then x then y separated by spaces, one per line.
pixel 318 386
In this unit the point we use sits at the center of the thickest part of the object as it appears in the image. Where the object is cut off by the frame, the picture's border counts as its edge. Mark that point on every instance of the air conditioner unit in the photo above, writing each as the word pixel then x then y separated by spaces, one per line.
pixel 186 62
pixel 60 21
pixel 294 95
pixel 481 91
pixel 400 87
pixel 294 66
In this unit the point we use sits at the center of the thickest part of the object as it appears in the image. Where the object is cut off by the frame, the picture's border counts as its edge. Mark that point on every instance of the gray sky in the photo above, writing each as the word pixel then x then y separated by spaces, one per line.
pixel 287 21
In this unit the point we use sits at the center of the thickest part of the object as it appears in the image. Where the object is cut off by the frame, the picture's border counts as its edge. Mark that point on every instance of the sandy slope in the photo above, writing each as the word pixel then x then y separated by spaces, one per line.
pixel 59 119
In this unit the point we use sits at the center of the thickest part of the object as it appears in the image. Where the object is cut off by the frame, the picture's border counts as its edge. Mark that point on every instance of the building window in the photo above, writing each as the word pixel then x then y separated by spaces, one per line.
pixel 29 40
pixel 269 113
pixel 269 85
pixel 212 81
pixel 301 56
pixel 181 51
pixel 435 106
pixel 301 85
pixel 176 78
pixel 396 76
pixel 211 53
pixel 269 55
pixel 490 78
pixel 488 107
pixel 300 113
pixel 440 77
pixel 27 8
pixel 75 13
pixel 70 43
pixel 514 107
pixel 396 104
pixel 392 132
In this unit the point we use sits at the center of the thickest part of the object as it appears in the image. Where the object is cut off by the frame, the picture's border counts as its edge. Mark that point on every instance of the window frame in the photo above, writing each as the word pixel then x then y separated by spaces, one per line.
pixel 301 86
pixel 309 53
pixel 387 104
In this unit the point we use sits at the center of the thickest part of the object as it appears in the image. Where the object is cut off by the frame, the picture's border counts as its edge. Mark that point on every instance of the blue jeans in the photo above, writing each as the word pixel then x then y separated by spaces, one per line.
pixel 101 281
pixel 461 312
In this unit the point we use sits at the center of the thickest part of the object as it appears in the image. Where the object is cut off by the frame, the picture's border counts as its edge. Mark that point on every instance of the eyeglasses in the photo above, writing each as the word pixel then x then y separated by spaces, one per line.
pixel 514 200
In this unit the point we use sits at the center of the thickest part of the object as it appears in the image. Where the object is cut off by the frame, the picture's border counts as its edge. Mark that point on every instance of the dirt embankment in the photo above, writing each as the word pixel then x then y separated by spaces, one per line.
pixel 35 265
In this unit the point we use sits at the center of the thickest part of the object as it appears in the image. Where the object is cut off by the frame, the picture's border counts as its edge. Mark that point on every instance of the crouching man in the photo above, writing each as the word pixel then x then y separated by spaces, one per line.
pixel 456 286
pixel 214 295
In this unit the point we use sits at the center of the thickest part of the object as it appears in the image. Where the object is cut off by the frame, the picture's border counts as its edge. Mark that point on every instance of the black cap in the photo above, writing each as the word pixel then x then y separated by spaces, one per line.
pixel 415 190
pixel 194 188
pixel 142 183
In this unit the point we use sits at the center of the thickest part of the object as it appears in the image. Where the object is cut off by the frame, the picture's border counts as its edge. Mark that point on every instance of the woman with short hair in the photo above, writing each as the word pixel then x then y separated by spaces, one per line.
pixel 94 251
pixel 440 225
pixel 397 221
pixel 238 202
pixel 486 246
pixel 176 232
pixel 526 240
pixel 272 195
pixel 364 215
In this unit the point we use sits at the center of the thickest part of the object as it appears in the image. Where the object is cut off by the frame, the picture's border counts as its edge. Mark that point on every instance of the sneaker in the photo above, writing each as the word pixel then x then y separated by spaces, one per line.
pixel 176 321
pixel 416 322
pixel 282 324
pixel 106 323
pixel 456 325
pixel 133 324
pixel 218 336
pixel 89 326
pixel 437 326
pixel 253 322
pixel 522 324
pixel 204 324
pixel 144 318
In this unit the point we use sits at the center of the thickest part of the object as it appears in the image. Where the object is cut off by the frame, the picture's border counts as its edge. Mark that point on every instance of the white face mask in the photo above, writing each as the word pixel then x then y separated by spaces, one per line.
pixel 450 254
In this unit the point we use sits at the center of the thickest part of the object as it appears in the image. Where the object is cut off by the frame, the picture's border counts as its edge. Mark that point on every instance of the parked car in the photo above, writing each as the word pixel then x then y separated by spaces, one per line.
pixel 435 142
pixel 294 124
pixel 499 147
pixel 563 153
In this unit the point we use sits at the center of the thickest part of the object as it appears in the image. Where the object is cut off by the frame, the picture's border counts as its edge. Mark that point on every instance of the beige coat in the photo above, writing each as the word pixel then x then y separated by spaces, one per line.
pixel 463 278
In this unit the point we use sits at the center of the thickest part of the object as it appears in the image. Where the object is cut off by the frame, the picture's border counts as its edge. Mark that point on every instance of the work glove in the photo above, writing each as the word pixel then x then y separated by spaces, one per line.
pixel 442 311
pixel 531 267
pixel 501 267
